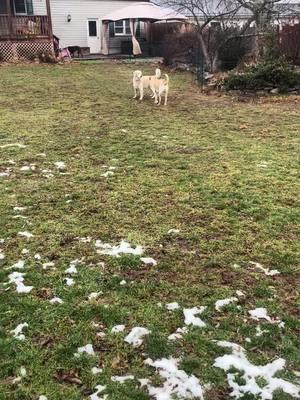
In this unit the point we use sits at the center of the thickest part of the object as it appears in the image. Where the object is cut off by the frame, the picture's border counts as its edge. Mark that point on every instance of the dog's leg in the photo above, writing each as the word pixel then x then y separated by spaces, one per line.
pixel 141 92
pixel 135 92
pixel 159 97
pixel 166 96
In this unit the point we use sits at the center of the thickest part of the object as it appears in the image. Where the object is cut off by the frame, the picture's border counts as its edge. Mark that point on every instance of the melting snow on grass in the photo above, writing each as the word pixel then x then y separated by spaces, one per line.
pixel 190 316
pixel 96 370
pixel 172 306
pixel 25 234
pixel 118 328
pixel 177 382
pixel 261 313
pixel 178 334
pixel 222 303
pixel 18 279
pixel 18 265
pixel 266 271
pixel 173 231
pixel 136 335
pixel 250 373
pixel 122 248
pixel 99 389
pixel 149 260
pixel 69 281
pixel 60 165
pixel 18 331
pixel 19 145
pixel 87 349
pixel 122 379
pixel 56 300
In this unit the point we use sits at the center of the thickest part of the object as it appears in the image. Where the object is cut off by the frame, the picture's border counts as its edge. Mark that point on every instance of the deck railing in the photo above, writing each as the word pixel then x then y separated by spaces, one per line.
pixel 24 27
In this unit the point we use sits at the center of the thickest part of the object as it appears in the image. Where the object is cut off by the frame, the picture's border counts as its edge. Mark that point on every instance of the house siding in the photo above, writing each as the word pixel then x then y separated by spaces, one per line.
pixel 74 33
pixel 39 7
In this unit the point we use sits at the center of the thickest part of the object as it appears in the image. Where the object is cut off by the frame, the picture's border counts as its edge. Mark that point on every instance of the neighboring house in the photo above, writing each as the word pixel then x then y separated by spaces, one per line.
pixel 78 23
pixel 25 28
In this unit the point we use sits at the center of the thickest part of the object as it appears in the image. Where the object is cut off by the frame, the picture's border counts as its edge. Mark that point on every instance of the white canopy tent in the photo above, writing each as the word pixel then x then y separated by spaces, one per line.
pixel 143 11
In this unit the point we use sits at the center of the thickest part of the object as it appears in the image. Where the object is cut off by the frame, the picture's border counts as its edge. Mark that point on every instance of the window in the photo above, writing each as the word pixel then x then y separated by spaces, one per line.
pixel 122 27
pixel 22 7
pixel 92 28
pixel 3 9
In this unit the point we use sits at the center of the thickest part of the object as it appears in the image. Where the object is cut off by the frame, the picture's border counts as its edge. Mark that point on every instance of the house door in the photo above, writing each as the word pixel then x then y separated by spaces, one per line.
pixel 93 35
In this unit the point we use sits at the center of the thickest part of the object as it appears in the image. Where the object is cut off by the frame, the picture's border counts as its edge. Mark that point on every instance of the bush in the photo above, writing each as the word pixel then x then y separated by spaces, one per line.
pixel 266 74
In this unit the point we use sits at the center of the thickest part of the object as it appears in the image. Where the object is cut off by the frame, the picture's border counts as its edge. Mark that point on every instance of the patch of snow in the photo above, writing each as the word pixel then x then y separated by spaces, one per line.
pixel 19 217
pixel 19 208
pixel 18 278
pixel 123 282
pixel 122 379
pixel 173 231
pixel 99 389
pixel 56 300
pixel 37 256
pixel 94 295
pixel 149 260
pixel 172 306
pixel 178 334
pixel 72 269
pixel 136 335
pixel 19 145
pixel 25 251
pixel 23 372
pixel 190 316
pixel 259 331
pixel 2 255
pixel 87 349
pixel 250 372
pixel 222 303
pixel 123 248
pixel 87 239
pixel 18 331
pixel 42 397
pixel 107 174
pixel 26 168
pixel 5 173
pixel 96 370
pixel 101 334
pixel 26 234
pixel 60 165
pixel 177 382
pixel 118 328
pixel 240 293
pixel 261 313
pixel 69 281
pixel 18 265
pixel 47 265
pixel 266 271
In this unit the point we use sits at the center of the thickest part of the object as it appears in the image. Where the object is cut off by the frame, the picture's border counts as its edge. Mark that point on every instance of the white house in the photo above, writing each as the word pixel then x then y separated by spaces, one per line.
pixel 78 23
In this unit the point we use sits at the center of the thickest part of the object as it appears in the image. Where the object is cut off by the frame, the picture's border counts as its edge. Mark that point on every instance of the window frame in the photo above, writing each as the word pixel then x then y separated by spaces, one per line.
pixel 125 26
pixel 26 10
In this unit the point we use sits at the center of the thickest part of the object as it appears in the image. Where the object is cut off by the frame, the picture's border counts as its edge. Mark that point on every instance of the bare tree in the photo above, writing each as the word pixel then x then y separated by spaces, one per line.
pixel 258 13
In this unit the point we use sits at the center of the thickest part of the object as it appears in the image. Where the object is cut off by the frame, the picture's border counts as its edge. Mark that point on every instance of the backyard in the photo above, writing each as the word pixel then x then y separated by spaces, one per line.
pixel 117 215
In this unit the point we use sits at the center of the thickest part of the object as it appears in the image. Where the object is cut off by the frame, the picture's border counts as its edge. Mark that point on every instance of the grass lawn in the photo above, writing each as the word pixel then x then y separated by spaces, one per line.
pixel 223 174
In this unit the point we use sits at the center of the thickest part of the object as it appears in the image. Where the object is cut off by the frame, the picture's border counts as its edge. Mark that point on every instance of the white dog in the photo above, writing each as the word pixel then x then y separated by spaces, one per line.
pixel 158 87
pixel 140 82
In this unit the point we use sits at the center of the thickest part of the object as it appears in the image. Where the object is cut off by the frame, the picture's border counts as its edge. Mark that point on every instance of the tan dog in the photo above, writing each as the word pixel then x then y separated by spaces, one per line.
pixel 158 87
pixel 140 82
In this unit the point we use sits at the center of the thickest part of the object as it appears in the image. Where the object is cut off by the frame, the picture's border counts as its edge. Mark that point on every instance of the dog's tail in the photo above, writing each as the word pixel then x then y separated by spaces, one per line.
pixel 167 78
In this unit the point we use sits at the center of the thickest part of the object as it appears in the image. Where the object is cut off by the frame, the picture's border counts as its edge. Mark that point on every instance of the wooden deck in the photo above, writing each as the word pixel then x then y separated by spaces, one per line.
pixel 24 27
